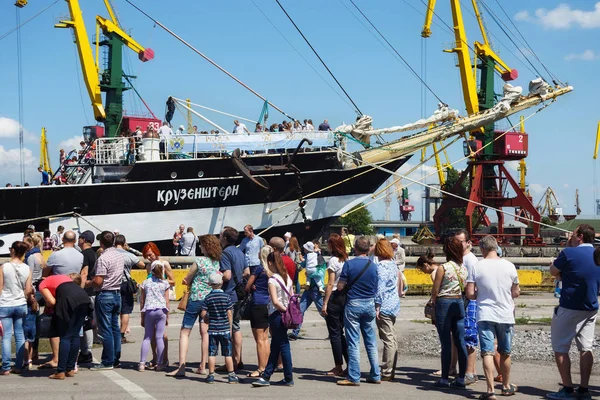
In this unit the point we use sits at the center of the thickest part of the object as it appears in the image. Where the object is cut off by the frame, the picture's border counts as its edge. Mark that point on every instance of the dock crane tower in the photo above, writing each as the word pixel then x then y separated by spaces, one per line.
pixel 486 173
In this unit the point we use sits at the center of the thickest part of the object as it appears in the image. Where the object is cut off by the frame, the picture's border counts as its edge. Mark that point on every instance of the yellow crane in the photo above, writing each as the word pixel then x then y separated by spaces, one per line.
pixel 597 142
pixel 44 157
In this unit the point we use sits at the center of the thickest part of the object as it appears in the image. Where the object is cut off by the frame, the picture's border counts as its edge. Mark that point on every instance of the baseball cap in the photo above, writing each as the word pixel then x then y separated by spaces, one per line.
pixel 215 279
pixel 156 264
pixel 87 236
pixel 395 240
pixel 309 246
pixel 31 227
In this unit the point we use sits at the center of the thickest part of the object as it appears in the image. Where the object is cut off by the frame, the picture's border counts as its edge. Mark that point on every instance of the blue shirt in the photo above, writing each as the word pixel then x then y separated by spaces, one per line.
pixel 45 178
pixel 261 295
pixel 216 304
pixel 366 286
pixel 251 248
pixel 580 278
pixel 387 288
pixel 233 260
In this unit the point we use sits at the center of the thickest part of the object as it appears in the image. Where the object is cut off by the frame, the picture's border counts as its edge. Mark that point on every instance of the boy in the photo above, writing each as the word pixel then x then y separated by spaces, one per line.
pixel 217 312
pixel 312 262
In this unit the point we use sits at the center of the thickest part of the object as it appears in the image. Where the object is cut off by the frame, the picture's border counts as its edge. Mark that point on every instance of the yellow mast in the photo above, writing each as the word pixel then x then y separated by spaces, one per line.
pixel 44 157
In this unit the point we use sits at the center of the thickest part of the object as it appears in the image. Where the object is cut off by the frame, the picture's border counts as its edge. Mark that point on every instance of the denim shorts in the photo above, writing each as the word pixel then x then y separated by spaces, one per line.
pixel 220 339
pixel 192 312
pixel 488 331
pixel 29 326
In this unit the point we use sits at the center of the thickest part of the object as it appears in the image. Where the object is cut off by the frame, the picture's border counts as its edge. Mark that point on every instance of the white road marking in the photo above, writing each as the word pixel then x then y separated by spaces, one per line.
pixel 130 387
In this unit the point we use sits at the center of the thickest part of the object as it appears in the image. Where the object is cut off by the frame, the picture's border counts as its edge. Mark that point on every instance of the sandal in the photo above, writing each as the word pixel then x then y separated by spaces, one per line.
pixel 48 366
pixel 498 378
pixel 335 372
pixel 200 371
pixel 510 391
pixel 487 396
pixel 256 374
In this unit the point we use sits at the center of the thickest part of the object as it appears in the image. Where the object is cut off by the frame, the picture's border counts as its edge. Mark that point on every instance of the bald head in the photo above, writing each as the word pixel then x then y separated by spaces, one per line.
pixel 69 239
pixel 277 243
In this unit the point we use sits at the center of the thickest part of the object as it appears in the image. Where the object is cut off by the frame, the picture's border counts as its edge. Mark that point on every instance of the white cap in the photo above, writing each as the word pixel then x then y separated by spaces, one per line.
pixel 156 264
pixel 394 240
pixel 181 127
pixel 309 246
pixel 287 235
pixel 215 279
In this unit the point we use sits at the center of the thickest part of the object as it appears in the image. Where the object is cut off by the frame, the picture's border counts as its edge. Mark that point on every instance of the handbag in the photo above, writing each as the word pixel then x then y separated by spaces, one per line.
pixel 184 300
pixel 462 287
pixel 43 325
pixel 245 309
pixel 129 285
pixel 428 311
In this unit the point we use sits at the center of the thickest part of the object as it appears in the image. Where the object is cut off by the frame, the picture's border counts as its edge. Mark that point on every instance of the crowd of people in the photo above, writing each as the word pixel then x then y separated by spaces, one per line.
pixel 471 305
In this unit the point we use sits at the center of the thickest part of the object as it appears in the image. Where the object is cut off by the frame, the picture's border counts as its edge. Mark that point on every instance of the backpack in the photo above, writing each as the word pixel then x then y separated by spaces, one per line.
pixel 292 317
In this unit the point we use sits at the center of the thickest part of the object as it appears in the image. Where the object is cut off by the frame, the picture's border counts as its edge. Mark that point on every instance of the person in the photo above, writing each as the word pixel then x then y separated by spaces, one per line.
pixel 312 274
pixel 151 253
pixel 471 333
pixel 324 126
pixel 240 128
pixel 15 286
pixel 56 237
pixel 234 268
pixel 294 253
pixel 217 312
pixel 45 177
pixel 195 130
pixel 494 283
pixel 447 297
pixel 61 158
pixel 109 270
pixel 34 258
pixel 188 243
pixel 257 285
pixel 286 236
pixel 349 239
pixel 180 130
pixel 154 308
pixel 258 127
pixel 67 260
pixel 177 239
pixel 280 289
pixel 360 276
pixel 251 246
pixel 297 127
pixel 164 132
pixel 130 261
pixel 399 258
pixel 278 244
pixel 71 305
pixel 88 272
pixel 575 316
pixel 199 287
pixel 387 306
pixel 30 331
pixel 333 305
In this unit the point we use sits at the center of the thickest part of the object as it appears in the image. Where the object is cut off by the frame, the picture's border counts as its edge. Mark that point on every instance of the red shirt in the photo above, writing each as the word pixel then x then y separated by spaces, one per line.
pixel 290 266
pixel 53 281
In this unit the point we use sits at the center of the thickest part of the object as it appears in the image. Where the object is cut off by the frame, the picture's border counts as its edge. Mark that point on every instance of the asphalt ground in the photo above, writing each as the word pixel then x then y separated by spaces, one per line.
pixel 311 357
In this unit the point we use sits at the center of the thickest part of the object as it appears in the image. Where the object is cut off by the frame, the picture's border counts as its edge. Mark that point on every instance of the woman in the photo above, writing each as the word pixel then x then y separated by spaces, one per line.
pixel 15 286
pixel 333 305
pixel 427 265
pixel 294 252
pixel 34 258
pixel 387 305
pixel 447 297
pixel 197 279
pixel 151 253
pixel 49 244
pixel 71 304
pixel 280 289
pixel 259 318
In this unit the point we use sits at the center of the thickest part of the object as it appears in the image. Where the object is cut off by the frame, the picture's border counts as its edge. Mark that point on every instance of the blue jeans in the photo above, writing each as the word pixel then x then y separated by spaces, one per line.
pixel 359 316
pixel 309 296
pixel 69 343
pixel 280 344
pixel 108 308
pixel 12 319
pixel 450 319
pixel 488 331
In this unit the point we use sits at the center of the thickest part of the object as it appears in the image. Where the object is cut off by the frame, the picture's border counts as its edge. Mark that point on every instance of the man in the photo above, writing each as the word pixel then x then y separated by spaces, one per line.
pixel 575 317
pixel 88 271
pixel 109 270
pixel 494 283
pixel 65 261
pixel 195 130
pixel 348 239
pixel 164 132
pixel 45 177
pixel 251 246
pixel 399 259
pixel 57 237
pixel 360 275
pixel 471 334
pixel 177 239
pixel 130 260
pixel 324 126
pixel 180 130
pixel 239 128
pixel 188 243
pixel 234 268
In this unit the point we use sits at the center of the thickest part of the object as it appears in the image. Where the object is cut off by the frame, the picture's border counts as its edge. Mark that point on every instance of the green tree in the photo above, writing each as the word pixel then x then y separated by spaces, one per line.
pixel 546 220
pixel 359 222
pixel 456 217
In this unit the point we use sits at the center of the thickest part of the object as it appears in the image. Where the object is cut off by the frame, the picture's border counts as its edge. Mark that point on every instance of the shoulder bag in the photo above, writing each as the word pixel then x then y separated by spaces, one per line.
pixel 462 285
pixel 128 284
pixel 339 297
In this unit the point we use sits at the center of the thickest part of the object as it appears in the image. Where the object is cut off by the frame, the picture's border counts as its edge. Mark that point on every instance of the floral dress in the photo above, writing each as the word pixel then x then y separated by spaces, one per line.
pixel 200 287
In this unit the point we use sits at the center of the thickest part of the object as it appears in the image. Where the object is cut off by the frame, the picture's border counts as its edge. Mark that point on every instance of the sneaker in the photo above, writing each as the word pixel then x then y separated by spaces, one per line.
pixel 374 381
pixel 583 396
pixel 561 394
pixel 117 364
pixel 85 359
pixel 231 379
pixel 346 382
pixel 261 383
pixel 471 379
pixel 210 378
pixel 101 367
pixel 283 382
pixel 292 337
pixel 440 383
pixel 455 384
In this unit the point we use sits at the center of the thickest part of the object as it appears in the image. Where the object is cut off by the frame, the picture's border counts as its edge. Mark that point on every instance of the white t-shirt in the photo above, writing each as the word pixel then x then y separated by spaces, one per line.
pixel 188 245
pixel 281 295
pixel 165 130
pixel 335 266
pixel 240 128
pixel 469 261
pixel 13 293
pixel 493 279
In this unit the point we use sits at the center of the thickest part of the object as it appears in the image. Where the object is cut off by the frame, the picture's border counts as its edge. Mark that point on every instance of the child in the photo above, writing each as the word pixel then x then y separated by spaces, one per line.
pixel 217 313
pixel 312 272
pixel 154 309
pixel 29 328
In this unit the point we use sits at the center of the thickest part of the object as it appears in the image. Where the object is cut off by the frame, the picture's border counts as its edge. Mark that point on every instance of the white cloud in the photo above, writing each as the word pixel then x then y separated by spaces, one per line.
pixel 588 55
pixel 11 158
pixel 71 143
pixel 565 17
pixel 9 128
pixel 523 16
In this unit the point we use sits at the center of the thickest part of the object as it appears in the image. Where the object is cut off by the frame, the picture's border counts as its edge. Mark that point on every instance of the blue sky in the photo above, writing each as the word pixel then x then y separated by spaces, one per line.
pixel 238 36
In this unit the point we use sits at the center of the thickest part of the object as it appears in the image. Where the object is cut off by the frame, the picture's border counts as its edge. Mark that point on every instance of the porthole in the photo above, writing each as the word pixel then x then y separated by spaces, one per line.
pixel 173 175
pixel 200 174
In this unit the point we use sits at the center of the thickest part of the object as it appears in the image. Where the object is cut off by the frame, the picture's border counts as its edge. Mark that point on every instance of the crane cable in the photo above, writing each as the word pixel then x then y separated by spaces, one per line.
pixel 20 94
pixel 5 34
pixel 319 57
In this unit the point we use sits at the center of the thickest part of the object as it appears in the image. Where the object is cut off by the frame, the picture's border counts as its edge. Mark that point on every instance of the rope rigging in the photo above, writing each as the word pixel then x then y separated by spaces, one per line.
pixel 319 57
pixel 20 94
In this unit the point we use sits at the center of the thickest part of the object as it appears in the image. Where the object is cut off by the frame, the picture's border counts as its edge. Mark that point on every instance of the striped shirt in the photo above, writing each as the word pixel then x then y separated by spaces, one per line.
pixel 216 304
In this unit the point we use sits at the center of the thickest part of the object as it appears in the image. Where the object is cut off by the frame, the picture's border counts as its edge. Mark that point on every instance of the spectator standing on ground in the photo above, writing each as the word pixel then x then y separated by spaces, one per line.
pixel 293 252
pixel 348 240
pixel 324 126
pixel 575 317
pixel 88 272
pixel 333 305
pixel 251 246
pixel 234 268
pixel 387 306
pixel 239 128
pixel 15 286
pixel 399 259
pixel 65 261
pixel 292 268
pixel 57 237
pixel 494 283
pixel 130 261
pixel 360 275
pixel 109 271
pixel 189 241
pixel 177 239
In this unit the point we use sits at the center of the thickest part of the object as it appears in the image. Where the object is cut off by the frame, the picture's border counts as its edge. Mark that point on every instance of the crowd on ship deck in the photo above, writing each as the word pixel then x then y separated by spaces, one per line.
pixel 85 292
